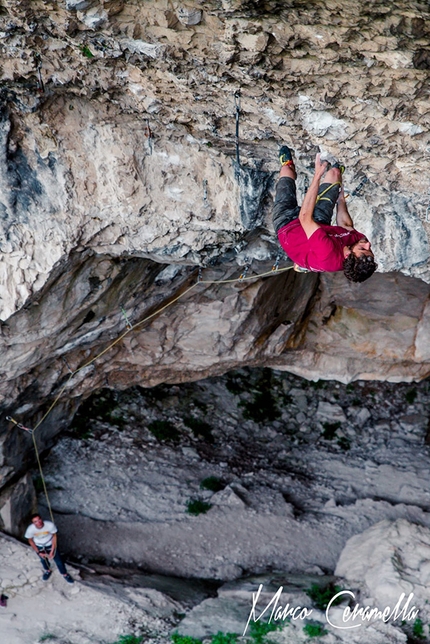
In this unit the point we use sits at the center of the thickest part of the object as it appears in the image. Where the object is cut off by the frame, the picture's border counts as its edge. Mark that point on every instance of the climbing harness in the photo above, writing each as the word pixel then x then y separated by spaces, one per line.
pixel 321 196
pixel 15 422
pixel 301 269
pixel 130 328
pixel 237 106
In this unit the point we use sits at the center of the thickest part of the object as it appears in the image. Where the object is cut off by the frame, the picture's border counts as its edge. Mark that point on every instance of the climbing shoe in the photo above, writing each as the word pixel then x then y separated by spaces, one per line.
pixel 285 156
pixel 46 575
pixel 340 166
pixel 69 579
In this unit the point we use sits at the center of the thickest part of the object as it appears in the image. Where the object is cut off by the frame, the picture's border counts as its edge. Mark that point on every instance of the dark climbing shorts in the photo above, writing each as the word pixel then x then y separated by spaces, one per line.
pixel 285 208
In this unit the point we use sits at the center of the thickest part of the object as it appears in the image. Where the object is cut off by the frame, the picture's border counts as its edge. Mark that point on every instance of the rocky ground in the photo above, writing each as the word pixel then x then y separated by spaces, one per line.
pixel 63 613
pixel 121 175
pixel 256 472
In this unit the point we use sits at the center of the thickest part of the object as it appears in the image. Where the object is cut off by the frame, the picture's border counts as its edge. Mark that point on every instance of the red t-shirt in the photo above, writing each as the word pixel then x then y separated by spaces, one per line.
pixel 323 251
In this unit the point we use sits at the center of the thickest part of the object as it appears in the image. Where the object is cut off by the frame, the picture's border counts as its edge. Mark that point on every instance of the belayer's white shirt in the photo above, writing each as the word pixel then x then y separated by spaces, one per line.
pixel 41 536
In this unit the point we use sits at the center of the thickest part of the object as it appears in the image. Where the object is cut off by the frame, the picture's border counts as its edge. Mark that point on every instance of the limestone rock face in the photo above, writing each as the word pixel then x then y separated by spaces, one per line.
pixel 139 141
pixel 397 561
pixel 118 125
pixel 15 503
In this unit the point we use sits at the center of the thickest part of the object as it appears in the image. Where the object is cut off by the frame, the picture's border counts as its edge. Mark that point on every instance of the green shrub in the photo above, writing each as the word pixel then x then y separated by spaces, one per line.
pixel 212 483
pixel 224 638
pixel 322 595
pixel 330 430
pixel 47 637
pixel 101 406
pixel 262 409
pixel 411 395
pixel 184 639
pixel 313 629
pixel 318 384
pixel 418 629
pixel 259 630
pixel 344 443
pixel 164 430
pixel 196 507
pixel 199 428
pixel 38 484
pixel 235 384
pixel 86 51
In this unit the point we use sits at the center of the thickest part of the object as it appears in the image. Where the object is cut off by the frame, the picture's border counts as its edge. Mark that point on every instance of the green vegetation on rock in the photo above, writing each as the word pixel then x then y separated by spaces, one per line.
pixel 322 595
pixel 212 483
pixel 259 630
pixel 164 430
pixel 130 639
pixel 313 629
pixel 199 428
pixel 418 629
pixel 196 507
pixel 330 430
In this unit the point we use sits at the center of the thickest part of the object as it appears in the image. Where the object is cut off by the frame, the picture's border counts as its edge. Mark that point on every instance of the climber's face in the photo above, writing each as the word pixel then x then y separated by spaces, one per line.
pixel 362 248
pixel 38 522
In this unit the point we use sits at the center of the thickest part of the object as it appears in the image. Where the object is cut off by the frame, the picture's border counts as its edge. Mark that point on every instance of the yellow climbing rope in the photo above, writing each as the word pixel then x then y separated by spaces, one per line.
pixel 130 328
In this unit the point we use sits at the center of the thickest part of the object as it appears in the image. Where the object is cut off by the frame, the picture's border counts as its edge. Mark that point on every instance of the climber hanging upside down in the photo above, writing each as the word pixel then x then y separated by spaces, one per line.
pixel 306 234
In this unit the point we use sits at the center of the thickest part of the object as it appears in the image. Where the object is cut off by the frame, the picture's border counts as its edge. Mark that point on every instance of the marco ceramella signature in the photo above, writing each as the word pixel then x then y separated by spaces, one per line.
pixel 402 610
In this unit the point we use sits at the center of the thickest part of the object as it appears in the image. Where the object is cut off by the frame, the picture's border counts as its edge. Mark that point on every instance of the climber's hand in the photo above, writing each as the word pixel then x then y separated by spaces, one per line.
pixel 320 166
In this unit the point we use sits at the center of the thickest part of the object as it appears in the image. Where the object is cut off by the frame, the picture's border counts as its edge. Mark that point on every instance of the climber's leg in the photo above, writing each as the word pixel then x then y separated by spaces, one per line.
pixel 285 208
pixel 329 191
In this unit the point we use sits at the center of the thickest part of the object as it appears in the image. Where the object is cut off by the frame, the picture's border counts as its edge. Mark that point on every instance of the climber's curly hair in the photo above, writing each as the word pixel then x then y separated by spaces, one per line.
pixel 359 269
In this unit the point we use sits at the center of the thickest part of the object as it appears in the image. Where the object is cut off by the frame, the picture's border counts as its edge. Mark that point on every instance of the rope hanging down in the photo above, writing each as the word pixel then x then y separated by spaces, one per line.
pixel 130 328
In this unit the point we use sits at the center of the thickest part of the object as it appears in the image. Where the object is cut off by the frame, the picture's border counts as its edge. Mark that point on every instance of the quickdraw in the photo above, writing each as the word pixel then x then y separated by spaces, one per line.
pixel 39 73
pixel 148 134
pixel 276 264
pixel 26 429
pixel 127 321
pixel 244 272
pixel 357 190
pixel 237 105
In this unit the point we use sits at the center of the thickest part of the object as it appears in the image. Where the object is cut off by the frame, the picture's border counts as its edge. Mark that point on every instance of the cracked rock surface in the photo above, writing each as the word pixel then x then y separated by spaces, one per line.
pixel 292 460
pixel 298 483
pixel 119 161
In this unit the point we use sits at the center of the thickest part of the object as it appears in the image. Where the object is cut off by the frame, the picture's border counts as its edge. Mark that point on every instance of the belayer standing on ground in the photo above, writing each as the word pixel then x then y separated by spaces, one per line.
pixel 306 234
pixel 42 536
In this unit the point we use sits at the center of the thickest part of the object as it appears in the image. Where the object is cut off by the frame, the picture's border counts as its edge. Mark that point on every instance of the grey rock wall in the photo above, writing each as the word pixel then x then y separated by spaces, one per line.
pixel 120 173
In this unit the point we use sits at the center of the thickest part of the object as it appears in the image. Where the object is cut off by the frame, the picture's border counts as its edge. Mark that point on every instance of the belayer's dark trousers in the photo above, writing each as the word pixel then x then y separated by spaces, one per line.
pixel 57 558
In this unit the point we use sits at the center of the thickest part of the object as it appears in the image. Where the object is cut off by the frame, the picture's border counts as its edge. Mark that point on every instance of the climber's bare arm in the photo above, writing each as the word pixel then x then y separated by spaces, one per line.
pixel 343 217
pixel 307 210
